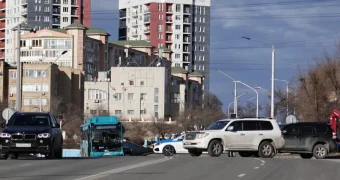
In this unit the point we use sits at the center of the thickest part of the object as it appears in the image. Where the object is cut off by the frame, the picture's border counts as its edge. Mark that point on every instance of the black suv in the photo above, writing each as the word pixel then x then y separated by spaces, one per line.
pixel 308 139
pixel 31 132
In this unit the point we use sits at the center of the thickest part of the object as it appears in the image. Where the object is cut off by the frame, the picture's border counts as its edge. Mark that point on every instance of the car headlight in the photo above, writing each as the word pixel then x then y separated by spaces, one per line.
pixel 44 135
pixel 5 135
pixel 201 135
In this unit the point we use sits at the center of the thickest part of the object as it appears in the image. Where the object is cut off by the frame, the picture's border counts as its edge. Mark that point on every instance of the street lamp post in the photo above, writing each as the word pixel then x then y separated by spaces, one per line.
pixel 41 82
pixel 272 74
pixel 286 92
pixel 19 28
pixel 235 90
pixel 257 97
pixel 233 102
pixel 265 90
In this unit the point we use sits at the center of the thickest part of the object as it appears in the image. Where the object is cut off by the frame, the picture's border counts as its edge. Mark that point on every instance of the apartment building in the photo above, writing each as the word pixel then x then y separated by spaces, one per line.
pixel 43 14
pixel 2 28
pixel 133 93
pixel 49 80
pixel 179 99
pixel 86 48
pixel 181 26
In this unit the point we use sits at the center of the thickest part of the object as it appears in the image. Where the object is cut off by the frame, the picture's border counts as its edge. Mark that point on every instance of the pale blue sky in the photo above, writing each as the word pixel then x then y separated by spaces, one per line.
pixel 300 30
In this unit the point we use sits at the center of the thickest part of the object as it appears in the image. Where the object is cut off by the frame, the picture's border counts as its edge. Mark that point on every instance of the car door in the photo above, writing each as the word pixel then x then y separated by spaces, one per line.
pixel 252 133
pixel 291 137
pixel 235 138
pixel 308 137
pixel 178 144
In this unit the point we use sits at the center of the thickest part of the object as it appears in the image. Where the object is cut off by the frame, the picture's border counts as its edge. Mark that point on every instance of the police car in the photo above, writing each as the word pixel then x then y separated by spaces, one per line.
pixel 169 147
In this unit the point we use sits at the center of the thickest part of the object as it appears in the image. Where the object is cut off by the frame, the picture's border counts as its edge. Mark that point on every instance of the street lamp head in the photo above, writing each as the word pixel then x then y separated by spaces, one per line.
pixel 257 87
pixel 246 38
pixel 64 52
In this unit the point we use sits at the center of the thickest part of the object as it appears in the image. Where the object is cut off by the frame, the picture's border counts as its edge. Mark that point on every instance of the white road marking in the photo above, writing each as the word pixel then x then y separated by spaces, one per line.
pixel 256 167
pixel 262 164
pixel 125 168
pixel 24 165
pixel 262 161
pixel 241 175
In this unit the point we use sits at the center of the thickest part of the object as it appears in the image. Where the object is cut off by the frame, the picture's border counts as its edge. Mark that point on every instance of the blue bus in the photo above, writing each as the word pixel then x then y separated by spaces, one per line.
pixel 102 136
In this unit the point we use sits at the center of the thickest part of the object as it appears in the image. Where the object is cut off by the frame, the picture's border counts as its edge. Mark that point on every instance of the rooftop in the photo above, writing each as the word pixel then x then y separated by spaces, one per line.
pixel 137 43
pixel 178 70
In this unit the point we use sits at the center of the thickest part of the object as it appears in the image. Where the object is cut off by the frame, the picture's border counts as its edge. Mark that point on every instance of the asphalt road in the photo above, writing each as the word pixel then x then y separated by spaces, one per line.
pixel 179 167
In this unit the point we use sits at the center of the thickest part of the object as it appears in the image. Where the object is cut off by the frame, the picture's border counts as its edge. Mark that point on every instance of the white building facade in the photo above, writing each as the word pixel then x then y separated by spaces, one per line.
pixel 132 93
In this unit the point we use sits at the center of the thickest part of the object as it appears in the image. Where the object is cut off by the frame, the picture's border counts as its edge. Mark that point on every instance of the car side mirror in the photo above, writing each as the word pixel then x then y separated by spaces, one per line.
pixel 57 126
pixel 230 128
pixel 3 125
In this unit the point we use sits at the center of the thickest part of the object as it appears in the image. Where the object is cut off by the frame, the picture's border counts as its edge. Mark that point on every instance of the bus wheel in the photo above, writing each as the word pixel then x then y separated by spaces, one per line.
pixel 169 150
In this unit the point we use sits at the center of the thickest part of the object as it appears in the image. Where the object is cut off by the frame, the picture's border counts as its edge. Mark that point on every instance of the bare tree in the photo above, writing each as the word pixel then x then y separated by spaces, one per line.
pixel 162 127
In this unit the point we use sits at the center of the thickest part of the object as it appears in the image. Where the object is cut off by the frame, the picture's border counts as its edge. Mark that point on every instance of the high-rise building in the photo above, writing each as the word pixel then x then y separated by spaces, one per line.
pixel 43 14
pixel 183 26
pixel 2 28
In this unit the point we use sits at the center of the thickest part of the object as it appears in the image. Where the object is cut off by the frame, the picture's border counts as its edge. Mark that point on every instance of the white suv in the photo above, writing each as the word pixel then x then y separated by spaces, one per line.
pixel 249 137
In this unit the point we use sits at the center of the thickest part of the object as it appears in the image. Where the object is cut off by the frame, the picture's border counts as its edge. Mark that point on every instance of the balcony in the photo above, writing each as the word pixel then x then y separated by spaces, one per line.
pixel 134 14
pixel 24 12
pixel 186 49
pixel 146 20
pixel 56 11
pixel 147 30
pixel 134 23
pixel 24 2
pixel 74 3
pixel 74 13
pixel 169 30
pixel 56 2
pixel 2 18
pixel 134 33
pixel 56 21
pixel 186 30
pixel 169 10
pixel 186 20
pixel 122 14
pixel 146 11
pixel 186 40
pixel 169 19
pixel 2 7
pixel 186 59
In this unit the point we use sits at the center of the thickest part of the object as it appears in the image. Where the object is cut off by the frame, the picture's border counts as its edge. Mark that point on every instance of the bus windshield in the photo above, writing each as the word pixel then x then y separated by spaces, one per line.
pixel 106 138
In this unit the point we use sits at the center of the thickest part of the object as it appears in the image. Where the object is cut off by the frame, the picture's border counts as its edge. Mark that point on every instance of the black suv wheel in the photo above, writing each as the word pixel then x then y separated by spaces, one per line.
pixel 320 151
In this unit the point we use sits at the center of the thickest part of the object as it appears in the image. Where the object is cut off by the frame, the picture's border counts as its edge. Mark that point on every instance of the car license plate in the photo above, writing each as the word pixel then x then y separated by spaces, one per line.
pixel 187 143
pixel 23 145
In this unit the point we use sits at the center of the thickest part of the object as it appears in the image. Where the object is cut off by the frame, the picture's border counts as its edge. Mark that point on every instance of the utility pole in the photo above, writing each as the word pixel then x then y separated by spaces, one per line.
pixel 19 28
pixel 287 91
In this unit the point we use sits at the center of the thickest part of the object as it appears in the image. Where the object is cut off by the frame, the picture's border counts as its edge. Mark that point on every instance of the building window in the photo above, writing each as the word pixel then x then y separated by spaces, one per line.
pixel 175 98
pixel 130 96
pixel 178 27
pixel 177 65
pixel 93 112
pixel 130 112
pixel 118 112
pixel 65 19
pixel 142 83
pixel 34 102
pixel 65 9
pixel 94 94
pixel 12 74
pixel 178 8
pixel 34 73
pixel 156 111
pixel 143 111
pixel 34 88
pixel 159 27
pixel 156 94
pixel 131 82
pixel 143 96
pixel 118 96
